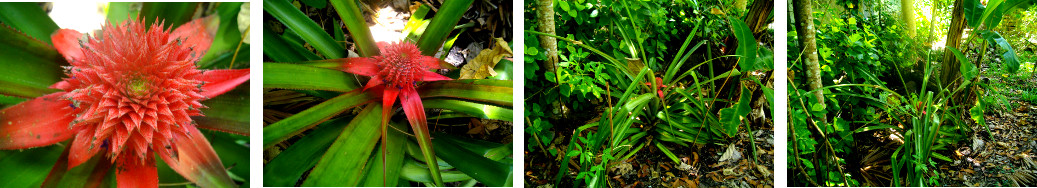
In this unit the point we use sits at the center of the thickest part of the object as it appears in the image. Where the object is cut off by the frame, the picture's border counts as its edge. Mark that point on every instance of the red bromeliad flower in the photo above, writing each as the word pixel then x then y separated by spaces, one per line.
pixel 131 91
pixel 661 86
pixel 395 73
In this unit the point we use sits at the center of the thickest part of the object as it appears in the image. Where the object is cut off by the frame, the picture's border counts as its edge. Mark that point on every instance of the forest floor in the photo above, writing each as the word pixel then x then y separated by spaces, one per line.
pixel 1004 156
pixel 701 165
pixel 706 169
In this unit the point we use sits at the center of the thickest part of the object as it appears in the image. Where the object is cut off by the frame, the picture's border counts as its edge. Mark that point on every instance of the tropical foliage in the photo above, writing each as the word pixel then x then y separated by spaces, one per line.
pixel 633 79
pixel 898 107
pixel 330 119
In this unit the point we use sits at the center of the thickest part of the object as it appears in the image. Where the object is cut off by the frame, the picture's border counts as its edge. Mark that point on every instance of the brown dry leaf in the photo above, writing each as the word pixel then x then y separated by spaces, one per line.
pixel 763 170
pixel 482 66
pixel 479 127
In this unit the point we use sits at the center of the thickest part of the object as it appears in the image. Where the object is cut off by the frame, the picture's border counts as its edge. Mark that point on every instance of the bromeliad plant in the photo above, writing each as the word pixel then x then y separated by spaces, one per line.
pixel 678 104
pixel 342 151
pixel 130 93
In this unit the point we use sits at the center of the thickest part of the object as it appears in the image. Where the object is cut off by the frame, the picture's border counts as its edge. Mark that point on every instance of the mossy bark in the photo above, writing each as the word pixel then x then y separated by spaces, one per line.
pixel 805 32
pixel 546 24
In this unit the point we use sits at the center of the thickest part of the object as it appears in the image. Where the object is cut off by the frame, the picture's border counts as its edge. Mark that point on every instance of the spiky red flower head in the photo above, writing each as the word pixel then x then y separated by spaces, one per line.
pixel 132 90
pixel 395 74
pixel 401 64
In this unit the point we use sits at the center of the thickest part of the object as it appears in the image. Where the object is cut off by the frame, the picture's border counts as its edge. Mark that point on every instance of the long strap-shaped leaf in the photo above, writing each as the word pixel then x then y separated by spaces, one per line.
pixel 292 76
pixel 32 164
pixel 27 66
pixel 473 109
pixel 343 164
pixel 494 92
pixel 227 112
pixel 307 29
pixel 286 169
pixel 277 132
pixel 281 50
pixel 29 18
pixel 171 14
pixel 386 173
pixel 357 26
pixel 488 171
pixel 441 25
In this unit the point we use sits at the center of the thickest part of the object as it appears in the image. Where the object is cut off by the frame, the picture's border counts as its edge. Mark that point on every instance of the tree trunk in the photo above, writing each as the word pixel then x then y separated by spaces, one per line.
pixel 950 64
pixel 805 31
pixel 546 20
pixel 759 16
pixel 907 15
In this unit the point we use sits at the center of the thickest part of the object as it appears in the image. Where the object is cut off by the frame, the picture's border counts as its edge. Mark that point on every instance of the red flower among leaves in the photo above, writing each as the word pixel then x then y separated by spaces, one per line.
pixel 661 86
pixel 130 92
pixel 395 74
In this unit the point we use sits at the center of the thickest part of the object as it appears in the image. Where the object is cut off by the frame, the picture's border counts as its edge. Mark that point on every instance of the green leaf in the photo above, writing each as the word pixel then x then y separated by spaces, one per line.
pixel 1010 59
pixel 233 152
pixel 310 32
pixel 1007 6
pixel 227 112
pixel 29 18
pixel 973 12
pixel 746 44
pixel 639 101
pixel 414 171
pixel 120 11
pixel 79 175
pixel 295 124
pixel 381 173
pixel 504 70
pixel 342 165
pixel 976 113
pixel 281 50
pixel 319 4
pixel 473 109
pixel 171 14
pixel 991 6
pixel 227 38
pixel 487 171
pixel 730 117
pixel 32 164
pixel 9 100
pixel 288 167
pixel 441 25
pixel 229 60
pixel 968 70
pixel 27 66
pixel 484 91
pixel 416 24
pixel 292 76
pixel 354 20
